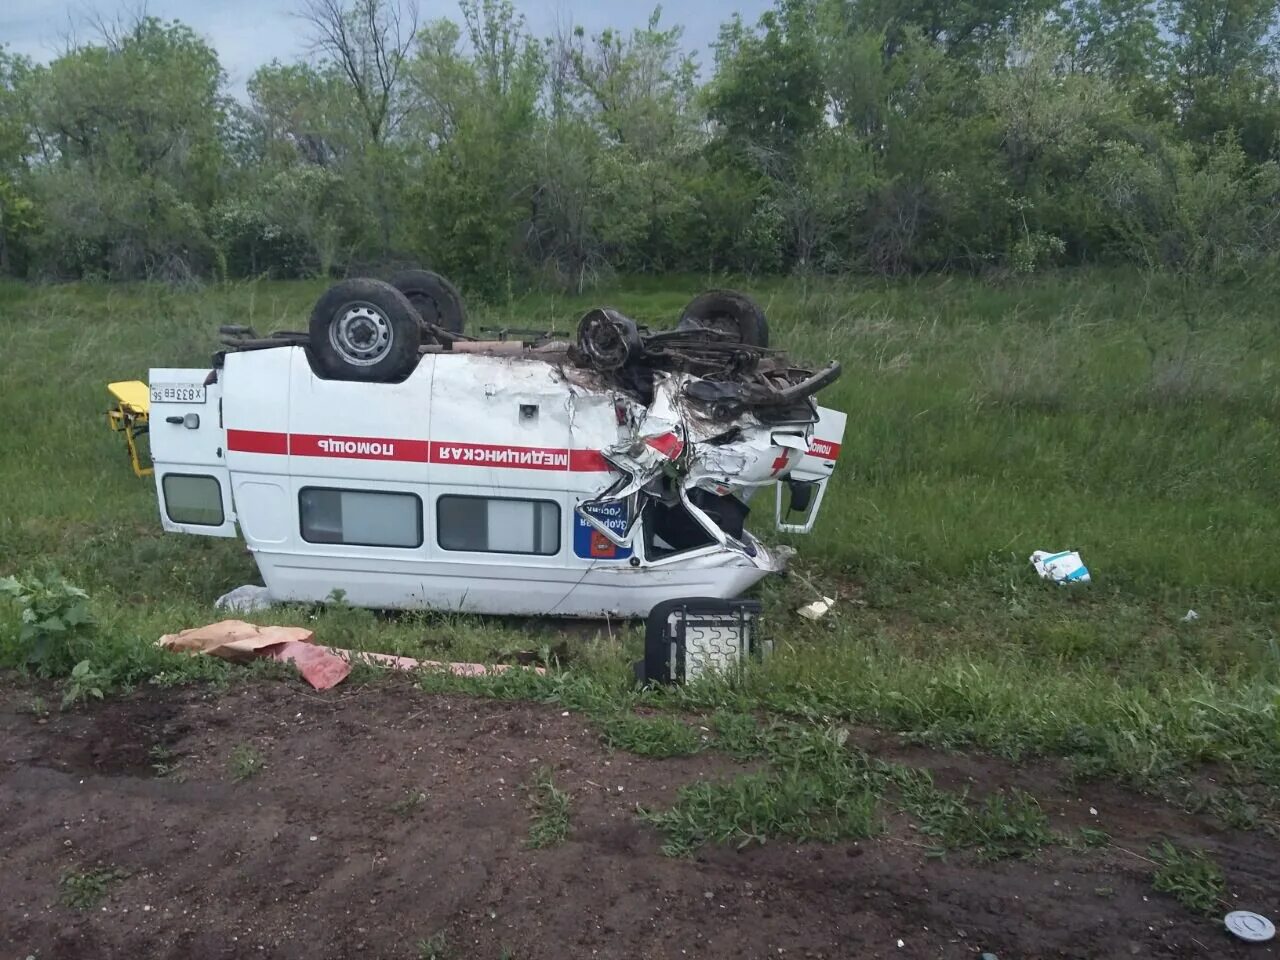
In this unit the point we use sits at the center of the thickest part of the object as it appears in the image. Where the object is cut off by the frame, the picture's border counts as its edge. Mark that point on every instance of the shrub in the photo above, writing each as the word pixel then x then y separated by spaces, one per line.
pixel 55 615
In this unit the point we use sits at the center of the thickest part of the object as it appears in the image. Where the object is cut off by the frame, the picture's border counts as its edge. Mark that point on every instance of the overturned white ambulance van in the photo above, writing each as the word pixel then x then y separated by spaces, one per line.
pixel 386 455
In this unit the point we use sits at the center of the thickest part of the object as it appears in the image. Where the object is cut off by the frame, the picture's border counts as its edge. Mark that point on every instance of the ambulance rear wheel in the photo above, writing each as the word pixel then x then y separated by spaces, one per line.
pixel 365 330
pixel 728 312
pixel 437 300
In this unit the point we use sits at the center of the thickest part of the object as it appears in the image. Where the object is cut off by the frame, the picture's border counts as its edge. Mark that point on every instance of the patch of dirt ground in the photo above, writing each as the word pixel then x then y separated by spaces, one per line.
pixel 381 817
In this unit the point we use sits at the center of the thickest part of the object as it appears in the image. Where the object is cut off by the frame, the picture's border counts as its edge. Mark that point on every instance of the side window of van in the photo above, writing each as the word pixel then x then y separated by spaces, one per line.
pixel 194 499
pixel 498 525
pixel 362 518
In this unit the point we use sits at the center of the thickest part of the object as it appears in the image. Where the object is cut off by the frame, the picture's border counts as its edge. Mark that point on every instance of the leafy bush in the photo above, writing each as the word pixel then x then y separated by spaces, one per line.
pixel 86 682
pixel 84 889
pixel 1194 210
pixel 826 138
pixel 55 615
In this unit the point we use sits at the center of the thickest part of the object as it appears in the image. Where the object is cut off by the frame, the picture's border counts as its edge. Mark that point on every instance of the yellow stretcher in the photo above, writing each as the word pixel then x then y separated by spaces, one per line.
pixel 131 416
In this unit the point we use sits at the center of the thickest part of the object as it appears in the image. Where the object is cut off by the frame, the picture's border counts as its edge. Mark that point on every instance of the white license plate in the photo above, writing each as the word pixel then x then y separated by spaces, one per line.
pixel 177 393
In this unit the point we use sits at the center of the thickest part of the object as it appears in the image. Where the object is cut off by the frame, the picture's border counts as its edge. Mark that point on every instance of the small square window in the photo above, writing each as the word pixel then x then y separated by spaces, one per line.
pixel 193 499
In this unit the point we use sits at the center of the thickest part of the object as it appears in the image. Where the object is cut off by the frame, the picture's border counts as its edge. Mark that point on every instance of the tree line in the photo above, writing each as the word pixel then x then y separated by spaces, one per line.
pixel 881 136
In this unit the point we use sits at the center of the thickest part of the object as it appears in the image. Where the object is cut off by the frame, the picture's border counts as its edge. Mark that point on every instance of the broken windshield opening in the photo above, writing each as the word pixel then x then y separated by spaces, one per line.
pixel 670 528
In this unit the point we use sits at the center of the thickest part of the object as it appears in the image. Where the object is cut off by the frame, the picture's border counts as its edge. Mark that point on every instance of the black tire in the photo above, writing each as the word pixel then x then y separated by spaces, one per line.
pixel 437 300
pixel 608 339
pixel 729 312
pixel 365 330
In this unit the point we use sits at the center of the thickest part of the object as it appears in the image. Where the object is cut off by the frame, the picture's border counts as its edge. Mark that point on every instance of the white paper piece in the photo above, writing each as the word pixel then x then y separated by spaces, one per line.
pixel 818 609
pixel 1063 567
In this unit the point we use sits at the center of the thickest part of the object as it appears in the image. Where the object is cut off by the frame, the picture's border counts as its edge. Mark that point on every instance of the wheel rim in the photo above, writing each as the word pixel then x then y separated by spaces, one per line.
pixel 361 334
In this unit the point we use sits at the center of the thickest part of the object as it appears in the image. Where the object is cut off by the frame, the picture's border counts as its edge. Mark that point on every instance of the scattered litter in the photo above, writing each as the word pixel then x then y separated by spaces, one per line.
pixel 901 943
pixel 1093 811
pixel 1063 567
pixel 988 956
pixel 322 667
pixel 1191 617
pixel 249 598
pixel 1249 926
pixel 818 609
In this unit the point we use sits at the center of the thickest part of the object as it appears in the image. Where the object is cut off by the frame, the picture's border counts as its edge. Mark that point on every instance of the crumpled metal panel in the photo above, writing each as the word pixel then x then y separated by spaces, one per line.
pixel 670 441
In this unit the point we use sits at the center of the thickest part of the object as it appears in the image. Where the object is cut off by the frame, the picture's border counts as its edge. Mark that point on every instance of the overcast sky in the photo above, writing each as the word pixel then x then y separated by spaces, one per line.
pixel 247 33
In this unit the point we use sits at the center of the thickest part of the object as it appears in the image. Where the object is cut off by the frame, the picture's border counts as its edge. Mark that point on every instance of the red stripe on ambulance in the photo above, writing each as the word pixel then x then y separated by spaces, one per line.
pixel 588 461
pixel 824 449
pixel 258 441
pixel 417 451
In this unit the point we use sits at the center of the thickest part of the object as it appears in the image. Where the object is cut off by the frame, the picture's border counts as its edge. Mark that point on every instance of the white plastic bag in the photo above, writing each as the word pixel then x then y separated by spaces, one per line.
pixel 1063 567
pixel 247 599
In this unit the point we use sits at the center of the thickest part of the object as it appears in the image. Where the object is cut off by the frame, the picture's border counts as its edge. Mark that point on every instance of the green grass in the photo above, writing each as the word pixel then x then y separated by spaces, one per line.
pixel 164 763
pixel 1001 826
pixel 1129 417
pixel 435 947
pixel 1189 876
pixel 755 808
pixel 245 763
pixel 85 889
pixel 1092 837
pixel 548 811
pixel 656 736
pixel 409 804
pixel 815 785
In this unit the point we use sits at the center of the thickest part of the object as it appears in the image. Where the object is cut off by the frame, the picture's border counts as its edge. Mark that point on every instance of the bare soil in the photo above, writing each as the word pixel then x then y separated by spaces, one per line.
pixel 320 854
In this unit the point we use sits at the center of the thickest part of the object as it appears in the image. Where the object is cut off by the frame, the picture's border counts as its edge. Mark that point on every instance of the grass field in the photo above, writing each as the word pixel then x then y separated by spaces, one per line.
pixel 1132 418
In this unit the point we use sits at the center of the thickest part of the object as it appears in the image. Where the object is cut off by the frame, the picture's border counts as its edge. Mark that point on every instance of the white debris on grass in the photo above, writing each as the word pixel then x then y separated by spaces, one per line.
pixel 818 609
pixel 1062 567
pixel 1250 926
pixel 249 598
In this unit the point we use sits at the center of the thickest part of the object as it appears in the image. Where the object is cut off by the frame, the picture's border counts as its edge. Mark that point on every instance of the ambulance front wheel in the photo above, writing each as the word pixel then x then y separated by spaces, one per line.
pixel 365 330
